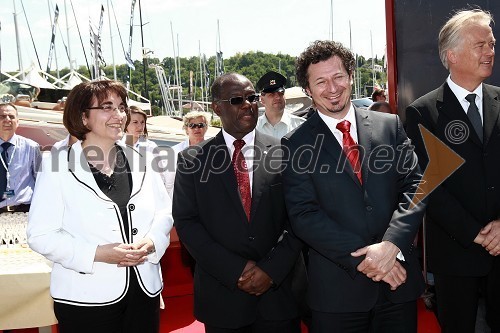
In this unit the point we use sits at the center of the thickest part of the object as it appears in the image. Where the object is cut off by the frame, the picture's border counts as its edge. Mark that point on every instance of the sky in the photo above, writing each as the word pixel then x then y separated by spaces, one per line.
pixel 270 26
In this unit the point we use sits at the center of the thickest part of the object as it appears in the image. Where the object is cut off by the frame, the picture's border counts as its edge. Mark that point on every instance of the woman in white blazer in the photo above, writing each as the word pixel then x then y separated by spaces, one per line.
pixel 101 214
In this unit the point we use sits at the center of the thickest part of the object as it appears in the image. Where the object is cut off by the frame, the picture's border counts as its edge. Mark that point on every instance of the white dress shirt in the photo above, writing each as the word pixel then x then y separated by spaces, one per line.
pixel 332 125
pixel 287 123
pixel 461 93
pixel 247 150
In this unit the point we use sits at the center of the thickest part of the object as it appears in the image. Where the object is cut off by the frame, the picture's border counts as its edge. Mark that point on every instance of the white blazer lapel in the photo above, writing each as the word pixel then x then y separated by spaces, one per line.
pixel 138 164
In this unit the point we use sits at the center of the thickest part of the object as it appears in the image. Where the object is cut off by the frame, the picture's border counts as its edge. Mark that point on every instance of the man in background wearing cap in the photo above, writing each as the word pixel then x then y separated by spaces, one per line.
pixel 275 121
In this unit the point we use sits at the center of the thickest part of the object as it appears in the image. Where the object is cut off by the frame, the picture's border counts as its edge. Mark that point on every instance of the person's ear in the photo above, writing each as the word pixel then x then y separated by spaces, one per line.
pixel 451 56
pixel 215 107
pixel 84 119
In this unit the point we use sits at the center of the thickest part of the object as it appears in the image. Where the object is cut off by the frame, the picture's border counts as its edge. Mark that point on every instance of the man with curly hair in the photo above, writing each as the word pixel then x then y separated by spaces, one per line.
pixel 349 180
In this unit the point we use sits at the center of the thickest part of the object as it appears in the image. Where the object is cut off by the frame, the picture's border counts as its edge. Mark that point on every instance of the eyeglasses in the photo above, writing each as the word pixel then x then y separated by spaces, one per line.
pixel 199 125
pixel 109 108
pixel 238 100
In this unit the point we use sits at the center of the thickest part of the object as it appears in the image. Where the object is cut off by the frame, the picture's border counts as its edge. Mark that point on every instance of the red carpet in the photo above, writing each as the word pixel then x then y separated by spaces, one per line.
pixel 178 318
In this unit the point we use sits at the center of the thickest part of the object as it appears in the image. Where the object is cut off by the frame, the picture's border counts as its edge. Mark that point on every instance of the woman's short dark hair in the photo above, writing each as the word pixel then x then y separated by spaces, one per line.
pixel 137 110
pixel 322 50
pixel 81 98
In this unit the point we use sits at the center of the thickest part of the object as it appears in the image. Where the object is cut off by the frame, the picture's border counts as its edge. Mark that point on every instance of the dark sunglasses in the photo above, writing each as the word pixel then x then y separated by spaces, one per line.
pixel 240 99
pixel 199 125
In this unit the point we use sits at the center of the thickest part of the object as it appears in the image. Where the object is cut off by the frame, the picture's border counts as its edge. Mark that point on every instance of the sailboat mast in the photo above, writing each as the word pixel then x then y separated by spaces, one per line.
pixel 19 58
pixel 111 37
pixel 54 25
pixel 67 35
pixel 355 74
pixel 144 60
pixel 176 78
pixel 201 73
pixel 331 19
pixel 374 76
pixel 179 75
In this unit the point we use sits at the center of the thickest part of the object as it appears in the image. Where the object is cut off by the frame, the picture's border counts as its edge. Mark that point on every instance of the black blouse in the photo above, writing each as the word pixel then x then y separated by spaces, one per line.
pixel 118 186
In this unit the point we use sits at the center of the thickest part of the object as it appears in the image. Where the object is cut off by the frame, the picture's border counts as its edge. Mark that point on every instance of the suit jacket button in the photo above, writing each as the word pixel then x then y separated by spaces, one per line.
pixel 251 238
pixel 369 208
pixel 131 207
pixel 134 231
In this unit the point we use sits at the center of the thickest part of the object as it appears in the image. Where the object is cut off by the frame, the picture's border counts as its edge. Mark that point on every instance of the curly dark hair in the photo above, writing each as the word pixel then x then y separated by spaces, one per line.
pixel 322 50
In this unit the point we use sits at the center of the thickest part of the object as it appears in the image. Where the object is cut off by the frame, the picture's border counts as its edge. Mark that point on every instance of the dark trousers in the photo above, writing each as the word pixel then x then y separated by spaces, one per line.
pixel 385 317
pixel 457 301
pixel 136 312
pixel 261 326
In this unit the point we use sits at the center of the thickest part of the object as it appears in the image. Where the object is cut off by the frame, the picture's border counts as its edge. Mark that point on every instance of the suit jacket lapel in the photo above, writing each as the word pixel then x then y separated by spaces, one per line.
pixel 449 105
pixel 259 171
pixel 364 131
pixel 491 111
pixel 137 164
pixel 331 146
pixel 79 167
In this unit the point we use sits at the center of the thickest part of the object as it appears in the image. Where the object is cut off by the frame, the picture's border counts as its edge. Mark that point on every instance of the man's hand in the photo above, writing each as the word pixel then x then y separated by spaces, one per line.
pixel 396 276
pixel 254 281
pixel 379 259
pixel 245 278
pixel 491 237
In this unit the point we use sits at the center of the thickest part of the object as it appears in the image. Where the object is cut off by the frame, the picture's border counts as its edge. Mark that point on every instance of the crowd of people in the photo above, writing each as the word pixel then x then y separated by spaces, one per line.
pixel 340 187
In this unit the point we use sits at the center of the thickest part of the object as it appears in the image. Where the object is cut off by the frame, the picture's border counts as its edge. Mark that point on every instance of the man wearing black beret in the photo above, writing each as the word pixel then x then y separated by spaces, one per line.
pixel 275 121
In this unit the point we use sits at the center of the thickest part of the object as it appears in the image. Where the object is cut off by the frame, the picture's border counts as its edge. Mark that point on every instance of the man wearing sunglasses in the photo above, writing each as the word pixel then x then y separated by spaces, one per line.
pixel 19 158
pixel 275 121
pixel 229 211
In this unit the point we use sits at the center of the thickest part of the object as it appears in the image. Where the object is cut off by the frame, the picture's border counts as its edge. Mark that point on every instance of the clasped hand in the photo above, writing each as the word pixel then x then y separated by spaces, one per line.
pixel 124 255
pixel 380 263
pixel 489 237
pixel 254 280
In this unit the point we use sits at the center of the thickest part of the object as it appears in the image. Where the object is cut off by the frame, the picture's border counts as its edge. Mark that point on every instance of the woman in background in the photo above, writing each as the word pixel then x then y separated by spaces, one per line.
pixel 101 214
pixel 136 129
pixel 195 124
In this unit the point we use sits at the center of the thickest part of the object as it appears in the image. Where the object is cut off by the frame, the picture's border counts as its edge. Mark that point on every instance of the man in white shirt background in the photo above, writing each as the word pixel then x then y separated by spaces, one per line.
pixel 275 121
pixel 19 158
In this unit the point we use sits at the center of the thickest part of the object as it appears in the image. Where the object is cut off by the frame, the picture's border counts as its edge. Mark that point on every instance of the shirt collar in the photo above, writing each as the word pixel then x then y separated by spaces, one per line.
pixel 332 122
pixel 249 138
pixel 461 93
pixel 285 119
pixel 12 140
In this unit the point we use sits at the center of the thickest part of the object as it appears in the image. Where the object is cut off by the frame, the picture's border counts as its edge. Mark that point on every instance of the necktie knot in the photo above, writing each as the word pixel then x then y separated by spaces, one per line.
pixel 344 126
pixel 6 145
pixel 238 144
pixel 471 98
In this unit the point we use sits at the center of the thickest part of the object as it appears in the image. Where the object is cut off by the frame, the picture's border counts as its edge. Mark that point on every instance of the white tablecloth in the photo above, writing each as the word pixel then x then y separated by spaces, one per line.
pixel 24 289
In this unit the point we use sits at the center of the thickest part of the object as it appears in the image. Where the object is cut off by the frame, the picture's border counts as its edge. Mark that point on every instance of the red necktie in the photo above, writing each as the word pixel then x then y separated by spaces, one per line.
pixel 241 172
pixel 350 147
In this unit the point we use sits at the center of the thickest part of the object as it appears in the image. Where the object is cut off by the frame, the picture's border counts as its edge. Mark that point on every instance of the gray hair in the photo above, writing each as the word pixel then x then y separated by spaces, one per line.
pixel 451 32
pixel 192 115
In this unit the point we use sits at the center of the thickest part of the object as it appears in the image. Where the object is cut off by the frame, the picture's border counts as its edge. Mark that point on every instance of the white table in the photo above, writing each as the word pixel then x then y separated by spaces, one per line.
pixel 24 290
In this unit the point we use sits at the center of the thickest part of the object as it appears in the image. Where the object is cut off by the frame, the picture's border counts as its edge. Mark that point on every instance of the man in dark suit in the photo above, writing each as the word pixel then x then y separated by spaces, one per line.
pixel 463 225
pixel 351 203
pixel 238 234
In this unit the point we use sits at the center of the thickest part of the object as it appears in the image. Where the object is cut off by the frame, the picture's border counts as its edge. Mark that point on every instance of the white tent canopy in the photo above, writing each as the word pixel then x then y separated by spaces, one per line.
pixel 34 78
